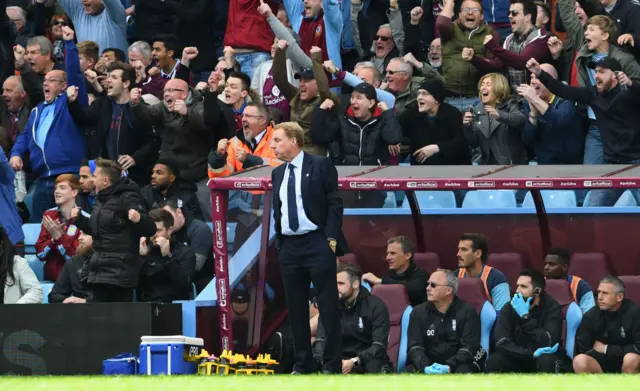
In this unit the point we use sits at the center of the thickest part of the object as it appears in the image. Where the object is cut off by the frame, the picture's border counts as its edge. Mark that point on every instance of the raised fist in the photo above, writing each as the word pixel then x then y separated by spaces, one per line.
pixel 136 95
pixel 72 93
pixel 190 53
pixel 67 33
pixel 416 15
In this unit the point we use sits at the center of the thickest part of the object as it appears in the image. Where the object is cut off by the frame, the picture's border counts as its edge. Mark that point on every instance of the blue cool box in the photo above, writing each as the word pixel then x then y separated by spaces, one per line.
pixel 165 355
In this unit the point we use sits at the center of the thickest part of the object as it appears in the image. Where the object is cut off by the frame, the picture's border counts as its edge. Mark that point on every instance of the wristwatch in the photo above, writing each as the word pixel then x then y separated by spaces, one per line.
pixel 355 361
pixel 333 243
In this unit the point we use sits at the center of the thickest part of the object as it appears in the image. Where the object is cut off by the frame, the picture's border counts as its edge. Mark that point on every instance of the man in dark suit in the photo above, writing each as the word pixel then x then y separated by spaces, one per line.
pixel 308 222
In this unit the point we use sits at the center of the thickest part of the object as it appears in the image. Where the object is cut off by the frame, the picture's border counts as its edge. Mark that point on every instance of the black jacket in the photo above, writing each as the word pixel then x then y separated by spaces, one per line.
pixel 219 117
pixel 320 199
pixel 155 18
pixel 196 29
pixel 167 278
pixel 617 116
pixel 620 330
pixel 183 192
pixel 85 201
pixel 414 279
pixel 359 143
pixel 452 338
pixel 116 240
pixel 8 36
pixel 518 338
pixel 365 329
pixel 72 281
pixel 445 131
pixel 33 87
pixel 136 138
pixel 197 235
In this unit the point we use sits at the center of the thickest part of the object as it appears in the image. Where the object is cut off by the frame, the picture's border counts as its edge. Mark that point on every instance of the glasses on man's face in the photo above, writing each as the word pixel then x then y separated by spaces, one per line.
pixel 252 116
pixel 514 13
pixel 171 90
pixel 466 10
pixel 434 285
pixel 382 38
pixel 59 23
pixel 53 81
pixel 391 73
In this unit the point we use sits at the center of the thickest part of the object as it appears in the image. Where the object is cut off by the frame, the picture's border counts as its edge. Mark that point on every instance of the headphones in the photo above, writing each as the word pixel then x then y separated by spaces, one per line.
pixel 537 291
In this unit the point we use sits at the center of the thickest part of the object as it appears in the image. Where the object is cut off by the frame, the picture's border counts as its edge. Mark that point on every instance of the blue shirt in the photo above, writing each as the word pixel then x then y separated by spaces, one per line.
pixel 497 286
pixel 584 295
pixel 306 225
pixel 46 119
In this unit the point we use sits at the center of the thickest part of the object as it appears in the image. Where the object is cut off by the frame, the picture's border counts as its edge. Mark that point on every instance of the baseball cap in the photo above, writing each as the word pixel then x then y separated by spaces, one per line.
pixel 367 89
pixel 606 63
pixel 305 73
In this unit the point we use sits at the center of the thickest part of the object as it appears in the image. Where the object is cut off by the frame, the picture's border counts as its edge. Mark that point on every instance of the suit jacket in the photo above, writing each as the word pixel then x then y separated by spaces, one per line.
pixel 320 199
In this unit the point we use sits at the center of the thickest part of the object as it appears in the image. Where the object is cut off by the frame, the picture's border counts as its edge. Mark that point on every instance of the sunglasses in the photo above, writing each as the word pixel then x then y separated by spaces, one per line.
pixel 394 72
pixel 59 23
pixel 383 39
pixel 514 13
pixel 434 285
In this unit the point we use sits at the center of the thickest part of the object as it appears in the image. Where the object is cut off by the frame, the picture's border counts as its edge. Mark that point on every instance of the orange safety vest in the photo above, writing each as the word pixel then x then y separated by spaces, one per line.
pixel 263 150
pixel 462 273
pixel 574 287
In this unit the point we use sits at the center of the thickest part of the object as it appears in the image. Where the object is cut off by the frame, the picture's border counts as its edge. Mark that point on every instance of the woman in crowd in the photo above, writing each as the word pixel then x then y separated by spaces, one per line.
pixel 18 283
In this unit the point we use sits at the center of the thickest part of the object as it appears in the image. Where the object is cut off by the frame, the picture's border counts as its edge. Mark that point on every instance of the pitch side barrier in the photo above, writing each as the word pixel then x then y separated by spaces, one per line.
pixel 408 179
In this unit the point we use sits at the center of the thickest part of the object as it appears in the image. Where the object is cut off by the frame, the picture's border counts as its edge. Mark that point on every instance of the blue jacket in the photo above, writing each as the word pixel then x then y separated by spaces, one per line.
pixel 496 11
pixel 9 219
pixel 65 145
pixel 558 137
pixel 333 23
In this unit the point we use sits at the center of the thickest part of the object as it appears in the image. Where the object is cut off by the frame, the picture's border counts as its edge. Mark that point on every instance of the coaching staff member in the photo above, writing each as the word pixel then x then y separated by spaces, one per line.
pixel 308 222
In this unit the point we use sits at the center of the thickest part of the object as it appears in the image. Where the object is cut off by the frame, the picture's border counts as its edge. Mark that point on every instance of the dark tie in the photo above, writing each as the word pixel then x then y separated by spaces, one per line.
pixel 13 126
pixel 253 145
pixel 294 224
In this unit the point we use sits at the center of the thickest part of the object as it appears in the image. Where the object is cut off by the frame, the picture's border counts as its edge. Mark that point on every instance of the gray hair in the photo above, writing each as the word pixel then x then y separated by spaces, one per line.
pixel 18 79
pixel 452 279
pixel 406 67
pixel 616 282
pixel 369 65
pixel 385 26
pixel 141 47
pixel 22 15
pixel 43 42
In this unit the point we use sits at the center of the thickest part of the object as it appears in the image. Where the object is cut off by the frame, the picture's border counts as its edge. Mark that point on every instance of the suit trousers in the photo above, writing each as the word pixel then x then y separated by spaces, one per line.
pixel 304 259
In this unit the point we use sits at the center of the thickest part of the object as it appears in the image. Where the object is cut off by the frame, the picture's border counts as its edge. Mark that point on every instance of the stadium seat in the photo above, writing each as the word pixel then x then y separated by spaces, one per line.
pixel 427 262
pixel 351 259
pixel 510 264
pixel 31 233
pixel 397 301
pixel 489 199
pixel 591 267
pixel 471 290
pixel 632 285
pixel 36 265
pixel 390 201
pixel 46 289
pixel 433 199
pixel 560 291
pixel 553 199
pixel 626 200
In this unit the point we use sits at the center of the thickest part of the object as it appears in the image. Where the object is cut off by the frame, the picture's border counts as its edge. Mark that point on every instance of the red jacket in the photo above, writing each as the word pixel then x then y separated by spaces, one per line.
pixel 246 28
pixel 54 253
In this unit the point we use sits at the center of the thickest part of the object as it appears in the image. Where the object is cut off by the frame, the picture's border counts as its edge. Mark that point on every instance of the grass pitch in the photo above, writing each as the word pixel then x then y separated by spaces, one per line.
pixel 324 383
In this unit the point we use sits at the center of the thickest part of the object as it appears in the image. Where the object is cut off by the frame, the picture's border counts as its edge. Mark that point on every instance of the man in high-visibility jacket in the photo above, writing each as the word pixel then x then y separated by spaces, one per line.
pixel 235 155
pixel 556 267
pixel 473 251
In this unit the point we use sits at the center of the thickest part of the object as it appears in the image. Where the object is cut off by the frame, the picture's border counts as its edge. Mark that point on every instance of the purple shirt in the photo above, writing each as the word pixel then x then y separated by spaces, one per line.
pixel 273 97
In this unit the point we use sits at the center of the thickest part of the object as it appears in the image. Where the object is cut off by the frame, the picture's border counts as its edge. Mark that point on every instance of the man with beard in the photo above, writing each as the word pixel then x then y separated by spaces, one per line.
pixel 444 332
pixel 365 326
pixel 529 330
pixel 103 22
pixel 118 134
pixel 554 127
pixel 608 340
pixel 71 286
pixel 473 251
pixel 87 193
pixel 57 241
pixel 167 264
pixel 461 41
pixel 55 144
pixel 118 221
pixel 614 100
pixel 166 184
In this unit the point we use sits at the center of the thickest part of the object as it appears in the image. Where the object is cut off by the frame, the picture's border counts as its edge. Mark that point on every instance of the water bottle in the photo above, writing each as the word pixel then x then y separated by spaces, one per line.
pixel 21 186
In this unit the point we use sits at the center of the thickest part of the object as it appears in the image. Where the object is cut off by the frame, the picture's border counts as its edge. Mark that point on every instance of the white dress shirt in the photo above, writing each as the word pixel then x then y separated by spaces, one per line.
pixel 305 225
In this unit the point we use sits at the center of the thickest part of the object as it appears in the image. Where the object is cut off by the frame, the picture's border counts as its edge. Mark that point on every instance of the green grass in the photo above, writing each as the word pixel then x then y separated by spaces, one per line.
pixel 324 383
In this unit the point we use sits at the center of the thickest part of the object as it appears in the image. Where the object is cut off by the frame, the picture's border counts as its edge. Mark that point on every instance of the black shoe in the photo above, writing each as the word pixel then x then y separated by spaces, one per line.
pixel 297 373
pixel 326 372
pixel 276 347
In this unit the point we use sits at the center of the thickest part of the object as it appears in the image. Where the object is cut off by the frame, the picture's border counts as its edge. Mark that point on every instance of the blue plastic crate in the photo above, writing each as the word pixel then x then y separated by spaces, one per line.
pixel 165 355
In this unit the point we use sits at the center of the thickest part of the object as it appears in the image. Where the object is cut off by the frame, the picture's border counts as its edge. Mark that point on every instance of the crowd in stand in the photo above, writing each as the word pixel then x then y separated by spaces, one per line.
pixel 116 113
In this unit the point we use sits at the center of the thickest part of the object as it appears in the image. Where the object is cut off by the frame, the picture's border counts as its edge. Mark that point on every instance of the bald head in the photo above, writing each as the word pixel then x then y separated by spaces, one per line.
pixel 175 89
pixel 13 93
pixel 550 69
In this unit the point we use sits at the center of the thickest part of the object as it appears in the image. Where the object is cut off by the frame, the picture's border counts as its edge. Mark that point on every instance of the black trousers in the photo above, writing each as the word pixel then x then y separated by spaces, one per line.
pixel 305 259
pixel 501 363
pixel 107 293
